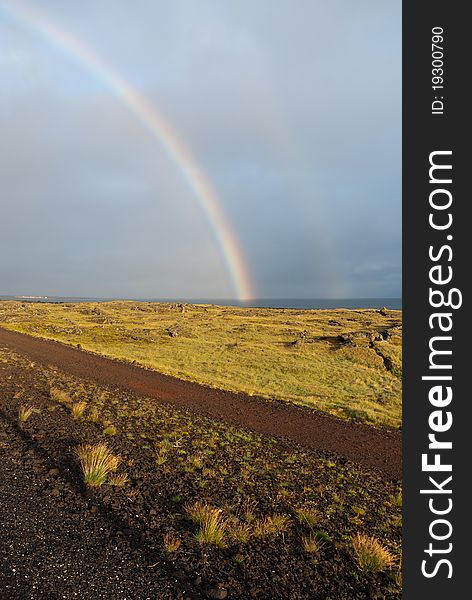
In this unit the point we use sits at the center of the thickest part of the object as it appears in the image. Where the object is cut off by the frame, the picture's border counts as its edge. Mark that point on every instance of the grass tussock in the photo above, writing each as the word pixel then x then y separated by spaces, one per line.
pixel 271 525
pixel 196 460
pixel 398 500
pixel 371 555
pixel 248 512
pixel 161 451
pixel 60 396
pixel 118 480
pixel 308 516
pixel 241 532
pixel 94 415
pixel 25 412
pixel 238 529
pixel 212 527
pixel 171 542
pixel 78 409
pixel 161 458
pixel 311 543
pixel 97 462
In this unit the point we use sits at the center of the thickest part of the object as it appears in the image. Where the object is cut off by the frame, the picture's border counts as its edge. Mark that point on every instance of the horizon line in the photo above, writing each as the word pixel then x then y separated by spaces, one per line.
pixel 190 298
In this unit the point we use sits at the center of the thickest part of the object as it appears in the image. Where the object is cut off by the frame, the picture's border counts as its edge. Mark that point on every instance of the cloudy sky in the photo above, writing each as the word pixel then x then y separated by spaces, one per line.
pixel 289 109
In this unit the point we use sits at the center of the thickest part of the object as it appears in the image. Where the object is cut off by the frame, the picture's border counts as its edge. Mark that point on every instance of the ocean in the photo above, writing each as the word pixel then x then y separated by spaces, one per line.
pixel 300 303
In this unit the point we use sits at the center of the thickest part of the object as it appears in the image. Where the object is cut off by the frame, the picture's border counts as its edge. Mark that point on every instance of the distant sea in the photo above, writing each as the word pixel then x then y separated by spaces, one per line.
pixel 301 303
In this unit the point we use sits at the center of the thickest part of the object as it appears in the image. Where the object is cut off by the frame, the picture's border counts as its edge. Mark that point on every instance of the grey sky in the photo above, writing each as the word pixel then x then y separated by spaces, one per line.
pixel 291 108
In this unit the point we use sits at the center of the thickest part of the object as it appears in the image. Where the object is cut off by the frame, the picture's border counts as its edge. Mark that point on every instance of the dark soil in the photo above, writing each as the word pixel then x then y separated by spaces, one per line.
pixel 52 545
pixel 376 448
pixel 62 540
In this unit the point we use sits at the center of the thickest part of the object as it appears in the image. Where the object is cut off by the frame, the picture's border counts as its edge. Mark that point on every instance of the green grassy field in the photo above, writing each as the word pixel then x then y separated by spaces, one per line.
pixel 344 362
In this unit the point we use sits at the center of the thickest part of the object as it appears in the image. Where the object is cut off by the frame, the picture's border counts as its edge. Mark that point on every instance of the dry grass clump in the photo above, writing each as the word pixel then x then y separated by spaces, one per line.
pixel 271 525
pixel 196 512
pixel 241 532
pixel 240 525
pixel 398 500
pixel 196 460
pixel 171 542
pixel 248 511
pixel 25 412
pixel 94 415
pixel 162 449
pixel 212 527
pixel 371 555
pixel 161 457
pixel 60 396
pixel 308 516
pixel 238 530
pixel 78 409
pixel 97 462
pixel 311 544
pixel 118 480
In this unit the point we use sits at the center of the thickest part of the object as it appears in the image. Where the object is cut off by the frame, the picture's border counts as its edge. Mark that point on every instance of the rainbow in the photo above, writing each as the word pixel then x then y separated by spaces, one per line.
pixel 155 123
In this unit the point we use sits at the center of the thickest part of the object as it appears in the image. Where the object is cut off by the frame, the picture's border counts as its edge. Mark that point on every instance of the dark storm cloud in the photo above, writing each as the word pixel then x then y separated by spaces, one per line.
pixel 292 109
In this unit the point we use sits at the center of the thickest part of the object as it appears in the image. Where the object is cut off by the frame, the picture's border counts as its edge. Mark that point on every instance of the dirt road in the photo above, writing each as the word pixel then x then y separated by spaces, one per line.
pixel 375 448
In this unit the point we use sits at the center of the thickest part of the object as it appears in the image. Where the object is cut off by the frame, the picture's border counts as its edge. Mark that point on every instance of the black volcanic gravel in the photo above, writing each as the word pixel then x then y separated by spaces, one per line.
pixel 60 540
pixel 55 549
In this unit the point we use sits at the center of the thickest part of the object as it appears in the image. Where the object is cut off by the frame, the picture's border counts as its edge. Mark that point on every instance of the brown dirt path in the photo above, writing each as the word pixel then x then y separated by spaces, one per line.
pixel 375 448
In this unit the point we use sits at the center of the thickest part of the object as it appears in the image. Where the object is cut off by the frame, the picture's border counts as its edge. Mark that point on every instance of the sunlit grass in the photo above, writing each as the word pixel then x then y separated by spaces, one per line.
pixel 293 355
pixel 371 555
pixel 25 412
pixel 94 415
pixel 311 543
pixel 212 527
pixel 78 409
pixel 271 525
pixel 97 462
pixel 118 480
pixel 308 516
pixel 60 396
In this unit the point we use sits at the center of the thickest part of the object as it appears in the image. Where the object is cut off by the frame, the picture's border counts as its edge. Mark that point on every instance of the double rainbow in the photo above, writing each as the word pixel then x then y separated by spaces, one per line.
pixel 149 116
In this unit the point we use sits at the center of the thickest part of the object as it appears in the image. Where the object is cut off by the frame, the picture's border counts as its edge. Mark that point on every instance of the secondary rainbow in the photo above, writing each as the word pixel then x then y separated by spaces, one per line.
pixel 150 117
